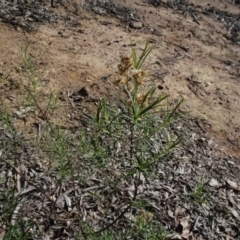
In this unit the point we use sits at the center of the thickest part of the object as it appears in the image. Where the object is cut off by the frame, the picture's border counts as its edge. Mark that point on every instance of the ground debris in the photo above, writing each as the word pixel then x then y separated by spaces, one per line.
pixel 189 192
pixel 112 8
pixel 230 21
pixel 26 15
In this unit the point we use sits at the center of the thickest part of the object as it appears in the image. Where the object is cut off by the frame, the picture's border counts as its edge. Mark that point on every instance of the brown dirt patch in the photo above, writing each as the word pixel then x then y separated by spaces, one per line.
pixel 197 55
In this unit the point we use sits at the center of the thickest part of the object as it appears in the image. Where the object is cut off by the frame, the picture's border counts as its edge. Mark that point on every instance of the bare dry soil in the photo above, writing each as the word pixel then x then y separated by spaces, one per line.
pixel 79 44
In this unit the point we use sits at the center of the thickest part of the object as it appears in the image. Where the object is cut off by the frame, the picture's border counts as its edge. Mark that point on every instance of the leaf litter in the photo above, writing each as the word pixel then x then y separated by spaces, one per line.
pixel 193 193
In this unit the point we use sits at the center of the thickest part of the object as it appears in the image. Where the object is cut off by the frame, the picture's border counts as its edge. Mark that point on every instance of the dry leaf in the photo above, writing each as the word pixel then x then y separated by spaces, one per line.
pixel 67 200
pixel 234 213
pixel 230 198
pixel 232 184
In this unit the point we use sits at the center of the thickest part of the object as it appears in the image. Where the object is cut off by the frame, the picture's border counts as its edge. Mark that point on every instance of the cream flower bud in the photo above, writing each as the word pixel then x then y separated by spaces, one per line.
pixel 138 76
pixel 121 81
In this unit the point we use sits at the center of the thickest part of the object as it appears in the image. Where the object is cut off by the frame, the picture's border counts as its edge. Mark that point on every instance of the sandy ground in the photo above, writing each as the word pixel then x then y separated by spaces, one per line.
pixel 194 57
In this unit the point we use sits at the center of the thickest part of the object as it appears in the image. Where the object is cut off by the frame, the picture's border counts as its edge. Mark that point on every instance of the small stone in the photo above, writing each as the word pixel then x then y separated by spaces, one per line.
pixel 213 183
pixel 136 25
pixel 84 92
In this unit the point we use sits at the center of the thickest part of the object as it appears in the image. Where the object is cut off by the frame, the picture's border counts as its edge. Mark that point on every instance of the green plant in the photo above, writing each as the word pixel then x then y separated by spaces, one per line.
pixel 147 229
pixel 44 103
pixel 199 194
pixel 104 161
pixel 16 233
pixel 138 62
pixel 28 69
pixel 56 143
pixel 90 234
pixel 16 225
pixel 142 123
pixel 140 230
pixel 6 119
pixel 7 126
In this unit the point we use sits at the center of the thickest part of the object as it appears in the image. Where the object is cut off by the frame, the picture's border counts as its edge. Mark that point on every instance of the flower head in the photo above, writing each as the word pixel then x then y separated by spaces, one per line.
pixel 138 76
pixel 126 63
pixel 142 98
pixel 121 80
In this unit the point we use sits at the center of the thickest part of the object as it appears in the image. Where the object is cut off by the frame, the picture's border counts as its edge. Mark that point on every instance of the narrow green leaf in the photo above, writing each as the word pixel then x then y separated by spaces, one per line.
pixel 176 107
pixel 153 105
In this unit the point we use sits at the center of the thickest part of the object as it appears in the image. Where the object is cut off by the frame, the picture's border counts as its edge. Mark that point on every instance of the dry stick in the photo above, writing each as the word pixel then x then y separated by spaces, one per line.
pixel 36 187
pixel 39 108
pixel 135 192
pixel 129 206
pixel 77 203
pixel 114 221
pixel 34 99
pixel 52 3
